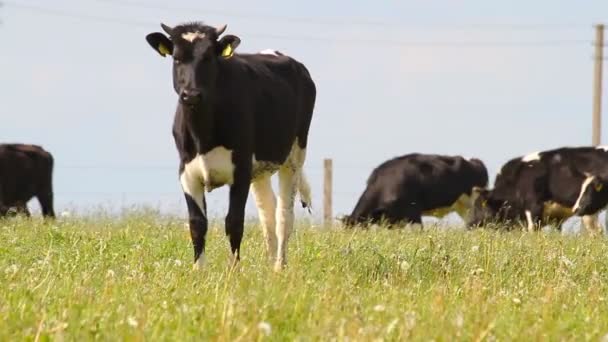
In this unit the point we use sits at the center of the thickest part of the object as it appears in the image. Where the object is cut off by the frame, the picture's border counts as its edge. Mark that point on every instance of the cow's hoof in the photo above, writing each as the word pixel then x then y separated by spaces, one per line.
pixel 199 264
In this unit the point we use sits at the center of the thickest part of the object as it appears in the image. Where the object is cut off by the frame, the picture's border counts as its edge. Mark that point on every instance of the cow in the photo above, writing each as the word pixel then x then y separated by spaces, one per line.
pixel 26 171
pixel 240 118
pixel 547 187
pixel 405 188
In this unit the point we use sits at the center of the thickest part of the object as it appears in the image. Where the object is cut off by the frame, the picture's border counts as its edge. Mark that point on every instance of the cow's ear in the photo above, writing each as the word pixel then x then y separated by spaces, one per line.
pixel 227 45
pixel 160 43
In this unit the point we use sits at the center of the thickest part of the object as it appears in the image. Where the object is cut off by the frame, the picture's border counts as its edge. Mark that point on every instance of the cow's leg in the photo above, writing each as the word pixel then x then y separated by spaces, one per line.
pixel 415 220
pixel 396 213
pixel 591 224
pixel 288 181
pixel 45 198
pixel 235 219
pixel 266 203
pixel 197 216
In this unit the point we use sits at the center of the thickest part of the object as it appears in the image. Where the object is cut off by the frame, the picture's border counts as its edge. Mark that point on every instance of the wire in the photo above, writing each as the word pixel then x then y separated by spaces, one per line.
pixel 60 13
pixel 464 44
pixel 338 22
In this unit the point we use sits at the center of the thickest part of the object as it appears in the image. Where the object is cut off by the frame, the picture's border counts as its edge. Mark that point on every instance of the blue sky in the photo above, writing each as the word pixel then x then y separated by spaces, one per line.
pixel 476 78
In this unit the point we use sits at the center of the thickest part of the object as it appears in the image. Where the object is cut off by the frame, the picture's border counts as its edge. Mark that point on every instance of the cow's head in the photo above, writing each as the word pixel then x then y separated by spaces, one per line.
pixel 593 196
pixel 196 50
pixel 487 208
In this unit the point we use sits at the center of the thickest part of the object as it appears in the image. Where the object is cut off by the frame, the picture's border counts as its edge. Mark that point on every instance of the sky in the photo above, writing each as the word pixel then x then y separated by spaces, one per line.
pixel 491 80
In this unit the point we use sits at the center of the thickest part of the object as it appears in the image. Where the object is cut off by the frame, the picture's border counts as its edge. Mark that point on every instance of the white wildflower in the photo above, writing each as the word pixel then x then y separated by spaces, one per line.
pixel 12 269
pixel 404 265
pixel 475 249
pixel 132 322
pixel 459 321
pixel 379 308
pixel 110 274
pixel 517 301
pixel 265 328
pixel 178 263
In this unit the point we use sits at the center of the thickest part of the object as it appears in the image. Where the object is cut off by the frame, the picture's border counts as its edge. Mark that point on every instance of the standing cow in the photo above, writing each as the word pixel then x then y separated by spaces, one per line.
pixel 403 189
pixel 26 171
pixel 240 118
pixel 547 188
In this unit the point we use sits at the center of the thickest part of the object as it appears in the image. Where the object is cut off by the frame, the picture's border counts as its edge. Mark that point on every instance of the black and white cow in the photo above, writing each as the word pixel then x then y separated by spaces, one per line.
pixel 240 118
pixel 547 188
pixel 26 171
pixel 404 189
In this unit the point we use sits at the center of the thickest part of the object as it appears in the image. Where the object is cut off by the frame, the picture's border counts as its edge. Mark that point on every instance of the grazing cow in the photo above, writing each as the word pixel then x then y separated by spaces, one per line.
pixel 240 118
pixel 26 171
pixel 547 188
pixel 403 189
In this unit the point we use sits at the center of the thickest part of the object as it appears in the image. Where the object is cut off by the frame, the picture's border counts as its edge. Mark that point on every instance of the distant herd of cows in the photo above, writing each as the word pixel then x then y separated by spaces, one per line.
pixel 241 118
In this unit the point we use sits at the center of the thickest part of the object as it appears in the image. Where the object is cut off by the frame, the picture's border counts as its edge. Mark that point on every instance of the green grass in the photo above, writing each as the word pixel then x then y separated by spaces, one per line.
pixel 131 279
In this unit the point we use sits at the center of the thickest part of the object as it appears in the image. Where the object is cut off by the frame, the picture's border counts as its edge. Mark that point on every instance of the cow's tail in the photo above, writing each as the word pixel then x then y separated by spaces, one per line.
pixel 304 190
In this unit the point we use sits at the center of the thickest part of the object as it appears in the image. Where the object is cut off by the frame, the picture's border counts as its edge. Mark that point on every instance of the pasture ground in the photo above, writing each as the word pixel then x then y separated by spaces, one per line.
pixel 131 278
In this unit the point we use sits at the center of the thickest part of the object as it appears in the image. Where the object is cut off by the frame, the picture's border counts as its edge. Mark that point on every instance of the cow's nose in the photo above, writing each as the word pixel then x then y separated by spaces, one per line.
pixel 190 96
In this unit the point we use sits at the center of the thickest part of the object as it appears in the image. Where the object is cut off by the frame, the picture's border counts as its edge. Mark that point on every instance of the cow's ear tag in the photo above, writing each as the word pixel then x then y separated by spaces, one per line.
pixel 227 52
pixel 598 187
pixel 484 203
pixel 164 51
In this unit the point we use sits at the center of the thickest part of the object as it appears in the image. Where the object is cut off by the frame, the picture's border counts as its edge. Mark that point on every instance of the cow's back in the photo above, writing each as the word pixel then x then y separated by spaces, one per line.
pixel 24 171
pixel 420 181
pixel 279 93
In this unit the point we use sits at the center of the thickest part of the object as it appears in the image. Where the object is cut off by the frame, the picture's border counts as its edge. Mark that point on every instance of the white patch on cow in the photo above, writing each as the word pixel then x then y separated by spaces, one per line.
pixel 531 157
pixel 529 220
pixel 269 52
pixel 192 185
pixel 266 204
pixel 200 262
pixel 207 172
pixel 462 205
pixel 603 147
pixel 191 36
pixel 584 187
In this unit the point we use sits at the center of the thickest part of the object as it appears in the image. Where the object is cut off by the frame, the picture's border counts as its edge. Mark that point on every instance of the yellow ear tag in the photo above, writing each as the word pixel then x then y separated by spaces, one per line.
pixel 484 203
pixel 599 187
pixel 227 53
pixel 163 50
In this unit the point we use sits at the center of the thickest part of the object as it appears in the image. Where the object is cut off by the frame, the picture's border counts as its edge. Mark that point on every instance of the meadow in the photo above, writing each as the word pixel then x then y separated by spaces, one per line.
pixel 130 278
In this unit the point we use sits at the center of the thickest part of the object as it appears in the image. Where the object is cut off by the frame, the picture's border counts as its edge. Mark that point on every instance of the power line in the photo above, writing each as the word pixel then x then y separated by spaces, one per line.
pixel 461 44
pixel 60 13
pixel 308 20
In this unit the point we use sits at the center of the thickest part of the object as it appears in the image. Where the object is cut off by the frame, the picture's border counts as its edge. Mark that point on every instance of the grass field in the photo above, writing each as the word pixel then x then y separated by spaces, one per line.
pixel 131 279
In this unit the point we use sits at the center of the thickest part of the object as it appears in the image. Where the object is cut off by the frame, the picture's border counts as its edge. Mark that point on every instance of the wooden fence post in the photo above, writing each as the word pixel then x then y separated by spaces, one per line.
pixel 327 192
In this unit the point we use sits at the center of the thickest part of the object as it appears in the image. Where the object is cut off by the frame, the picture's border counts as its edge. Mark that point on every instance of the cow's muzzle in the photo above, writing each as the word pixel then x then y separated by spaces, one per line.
pixel 190 97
